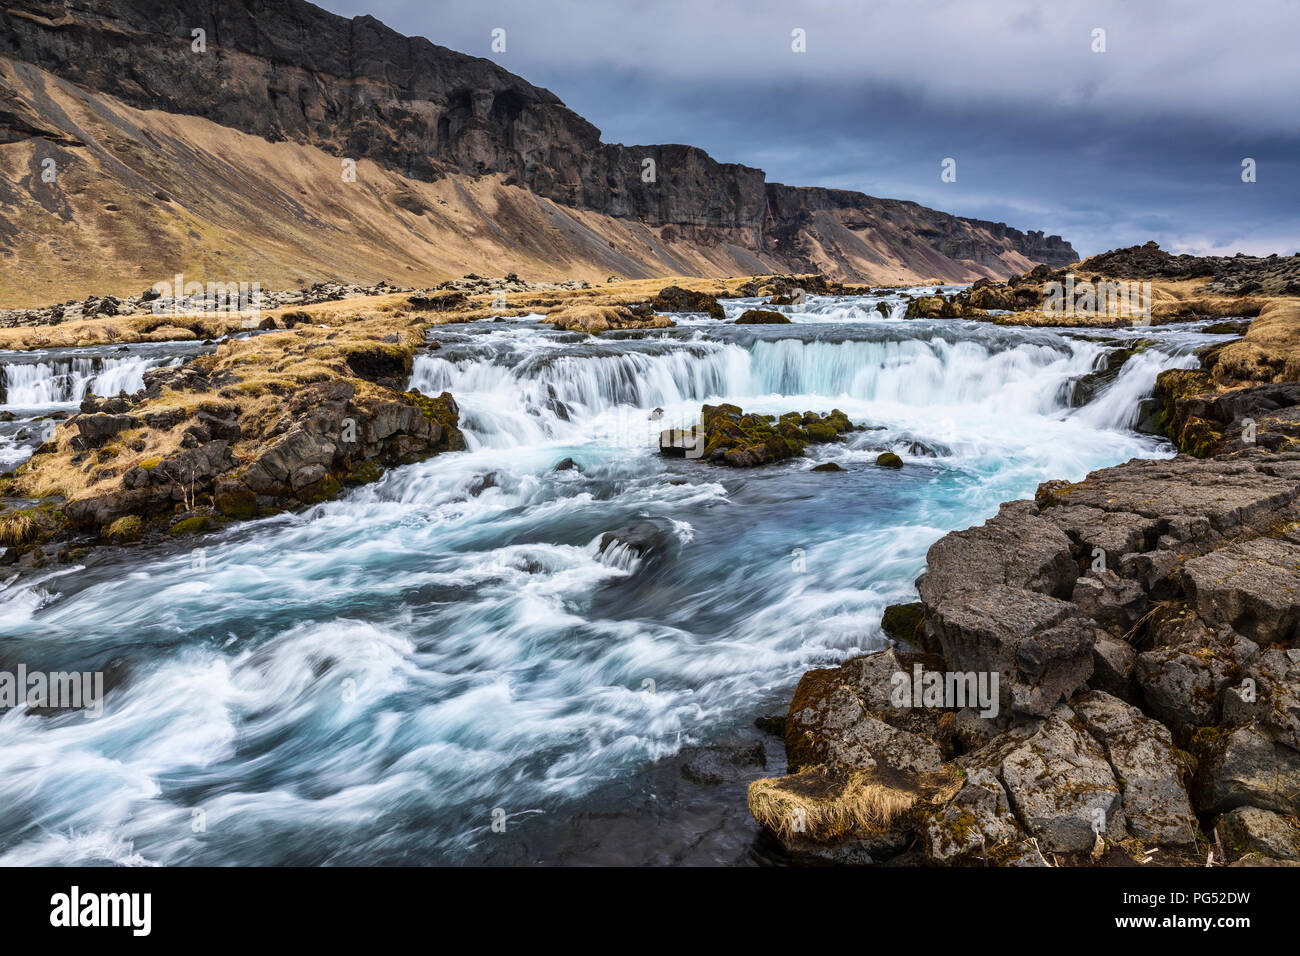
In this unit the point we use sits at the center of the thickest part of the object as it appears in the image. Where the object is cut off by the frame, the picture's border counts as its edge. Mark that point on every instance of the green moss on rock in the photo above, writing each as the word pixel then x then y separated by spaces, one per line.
pixel 762 317
pixel 189 526
pixel 363 473
pixel 903 621
pixel 126 528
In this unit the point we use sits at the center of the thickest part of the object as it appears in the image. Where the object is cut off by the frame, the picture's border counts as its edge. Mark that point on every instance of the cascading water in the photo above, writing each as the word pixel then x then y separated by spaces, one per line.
pixel 67 381
pixel 39 388
pixel 371 680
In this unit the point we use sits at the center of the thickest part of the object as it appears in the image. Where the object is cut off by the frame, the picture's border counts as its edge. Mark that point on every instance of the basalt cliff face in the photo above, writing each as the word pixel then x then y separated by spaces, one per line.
pixel 111 77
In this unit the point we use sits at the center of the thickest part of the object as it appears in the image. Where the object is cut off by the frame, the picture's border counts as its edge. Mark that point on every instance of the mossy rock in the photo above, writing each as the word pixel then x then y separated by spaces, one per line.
pixel 364 473
pixel 326 489
pixel 149 464
pixel 821 431
pixel 1199 437
pixel 889 460
pixel 189 526
pixel 762 317
pixel 839 421
pixel 126 528
pixel 235 502
pixel 443 410
pixel 375 360
pixel 903 621
pixel 827 466
pixel 930 307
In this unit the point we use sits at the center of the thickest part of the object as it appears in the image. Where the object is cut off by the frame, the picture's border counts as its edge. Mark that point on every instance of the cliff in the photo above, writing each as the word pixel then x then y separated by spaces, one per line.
pixel 288 72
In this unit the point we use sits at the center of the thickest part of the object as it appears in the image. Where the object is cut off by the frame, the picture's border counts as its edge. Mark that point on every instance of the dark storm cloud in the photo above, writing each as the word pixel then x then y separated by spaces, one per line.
pixel 1142 141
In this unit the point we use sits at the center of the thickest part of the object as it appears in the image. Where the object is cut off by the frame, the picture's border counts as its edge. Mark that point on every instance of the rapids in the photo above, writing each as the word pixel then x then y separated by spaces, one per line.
pixel 378 679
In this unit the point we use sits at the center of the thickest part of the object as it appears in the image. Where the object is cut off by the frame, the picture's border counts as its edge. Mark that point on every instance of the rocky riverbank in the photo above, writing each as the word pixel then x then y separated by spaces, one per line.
pixel 258 426
pixel 1108 674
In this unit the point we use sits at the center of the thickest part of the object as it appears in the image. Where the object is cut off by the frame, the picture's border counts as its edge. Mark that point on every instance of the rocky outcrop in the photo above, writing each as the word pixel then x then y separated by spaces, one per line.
pixel 594 319
pixel 258 426
pixel 1228 275
pixel 762 317
pixel 676 299
pixel 1139 637
pixel 1246 394
pixel 729 436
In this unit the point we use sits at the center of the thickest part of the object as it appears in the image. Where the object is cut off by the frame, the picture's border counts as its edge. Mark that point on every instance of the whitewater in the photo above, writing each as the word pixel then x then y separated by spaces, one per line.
pixel 443 666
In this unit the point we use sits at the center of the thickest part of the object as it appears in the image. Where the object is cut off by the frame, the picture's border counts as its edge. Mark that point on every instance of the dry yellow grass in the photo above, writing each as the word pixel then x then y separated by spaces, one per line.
pixel 813 805
pixel 124 330
pixel 1270 351
pixel 1170 302
pixel 260 374
pixel 17 527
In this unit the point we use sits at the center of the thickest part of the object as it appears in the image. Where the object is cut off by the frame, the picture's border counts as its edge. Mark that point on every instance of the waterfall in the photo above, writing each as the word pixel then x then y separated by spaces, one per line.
pixel 68 380
pixel 523 398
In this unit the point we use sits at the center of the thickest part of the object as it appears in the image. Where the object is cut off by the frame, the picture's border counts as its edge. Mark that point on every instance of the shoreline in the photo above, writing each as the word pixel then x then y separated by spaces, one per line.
pixel 1144 627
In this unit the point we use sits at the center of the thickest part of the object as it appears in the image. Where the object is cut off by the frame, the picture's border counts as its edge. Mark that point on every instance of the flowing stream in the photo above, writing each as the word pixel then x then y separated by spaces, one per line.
pixel 40 387
pixel 379 679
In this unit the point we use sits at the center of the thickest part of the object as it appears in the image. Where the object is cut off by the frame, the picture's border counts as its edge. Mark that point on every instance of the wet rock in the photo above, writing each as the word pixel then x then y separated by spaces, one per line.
pixel 889 460
pixel 481 483
pixel 738 439
pixel 682 442
pixel 715 765
pixel 827 466
pixel 642 539
pixel 773 724
pixel 903 622
pixel 931 307
pixel 762 317
pixel 567 464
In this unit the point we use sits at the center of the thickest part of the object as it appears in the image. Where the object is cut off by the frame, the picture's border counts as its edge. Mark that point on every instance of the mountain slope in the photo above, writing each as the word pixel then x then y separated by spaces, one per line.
pixel 461 165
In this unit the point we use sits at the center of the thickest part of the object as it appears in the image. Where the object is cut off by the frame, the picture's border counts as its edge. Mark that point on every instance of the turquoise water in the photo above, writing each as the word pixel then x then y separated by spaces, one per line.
pixel 378 679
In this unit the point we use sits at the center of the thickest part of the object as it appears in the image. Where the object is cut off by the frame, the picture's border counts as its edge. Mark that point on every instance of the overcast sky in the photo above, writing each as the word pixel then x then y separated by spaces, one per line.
pixel 1142 141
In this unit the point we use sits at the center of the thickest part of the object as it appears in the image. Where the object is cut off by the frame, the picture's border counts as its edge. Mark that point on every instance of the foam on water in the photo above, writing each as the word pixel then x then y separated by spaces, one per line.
pixel 364 682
